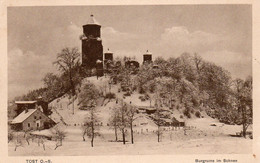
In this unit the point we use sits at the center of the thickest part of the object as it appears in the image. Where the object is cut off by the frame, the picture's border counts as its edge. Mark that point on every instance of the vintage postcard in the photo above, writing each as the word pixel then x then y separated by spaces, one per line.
pixel 141 82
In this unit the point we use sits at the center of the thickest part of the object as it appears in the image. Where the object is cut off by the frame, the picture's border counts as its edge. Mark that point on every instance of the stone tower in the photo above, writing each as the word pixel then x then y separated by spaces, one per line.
pixel 92 49
pixel 147 57
pixel 108 59
pixel 108 56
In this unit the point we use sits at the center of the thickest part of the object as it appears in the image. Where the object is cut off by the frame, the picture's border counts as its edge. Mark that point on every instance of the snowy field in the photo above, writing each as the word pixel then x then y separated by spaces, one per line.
pixel 201 139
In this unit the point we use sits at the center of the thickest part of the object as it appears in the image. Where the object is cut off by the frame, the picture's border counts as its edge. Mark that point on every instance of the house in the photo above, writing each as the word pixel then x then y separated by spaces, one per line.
pixel 177 122
pixel 32 119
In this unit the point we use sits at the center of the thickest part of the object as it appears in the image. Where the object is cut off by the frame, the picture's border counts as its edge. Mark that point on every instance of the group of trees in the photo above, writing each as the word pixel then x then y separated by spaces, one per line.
pixel 122 118
pixel 183 79
pixel 19 138
pixel 191 83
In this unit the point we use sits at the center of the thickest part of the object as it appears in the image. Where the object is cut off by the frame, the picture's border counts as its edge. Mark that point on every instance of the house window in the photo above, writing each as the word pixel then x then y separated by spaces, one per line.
pixel 34 117
pixel 40 117
pixel 29 125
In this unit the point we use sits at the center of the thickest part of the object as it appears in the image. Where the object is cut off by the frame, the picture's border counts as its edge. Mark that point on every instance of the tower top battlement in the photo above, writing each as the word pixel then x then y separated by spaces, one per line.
pixel 92 21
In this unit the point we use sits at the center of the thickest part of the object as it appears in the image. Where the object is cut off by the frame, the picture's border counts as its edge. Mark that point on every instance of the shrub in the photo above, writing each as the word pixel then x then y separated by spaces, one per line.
pixel 82 108
pixel 197 114
pixel 110 95
pixel 127 94
pixel 146 97
pixel 10 136
pixel 187 113
pixel 142 98
pixel 134 88
pixel 195 102
pixel 141 90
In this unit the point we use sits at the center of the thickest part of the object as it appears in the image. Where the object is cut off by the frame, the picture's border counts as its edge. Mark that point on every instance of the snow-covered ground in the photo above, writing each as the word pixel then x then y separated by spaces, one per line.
pixel 200 139
pixel 204 136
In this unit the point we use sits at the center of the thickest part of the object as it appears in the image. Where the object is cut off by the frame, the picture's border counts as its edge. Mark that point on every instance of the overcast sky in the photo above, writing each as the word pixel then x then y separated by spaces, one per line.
pixel 219 33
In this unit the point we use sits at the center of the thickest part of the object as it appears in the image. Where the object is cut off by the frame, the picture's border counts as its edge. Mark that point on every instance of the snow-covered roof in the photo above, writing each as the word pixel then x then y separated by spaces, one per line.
pixel 148 53
pixel 45 132
pixel 25 102
pixel 92 21
pixel 178 119
pixel 167 120
pixel 23 116
pixel 108 51
pixel 150 108
pixel 142 119
pixel 98 61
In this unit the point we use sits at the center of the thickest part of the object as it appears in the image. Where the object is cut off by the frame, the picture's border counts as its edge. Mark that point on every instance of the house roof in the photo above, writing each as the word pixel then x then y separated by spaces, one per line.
pixel 25 102
pixel 178 119
pixel 23 116
pixel 92 21
pixel 167 120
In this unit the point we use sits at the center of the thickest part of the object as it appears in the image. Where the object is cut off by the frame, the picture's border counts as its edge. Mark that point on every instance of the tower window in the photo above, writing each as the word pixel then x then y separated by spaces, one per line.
pixel 40 117
pixel 34 117
pixel 29 125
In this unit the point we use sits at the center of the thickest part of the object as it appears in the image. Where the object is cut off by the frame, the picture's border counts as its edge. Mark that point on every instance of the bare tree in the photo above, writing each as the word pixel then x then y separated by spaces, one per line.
pixel 131 112
pixel 18 141
pixel 59 134
pixel 198 62
pixel 41 141
pixel 158 119
pixel 88 99
pixel 84 132
pixel 27 137
pixel 91 124
pixel 123 120
pixel 10 135
pixel 67 62
pixel 115 121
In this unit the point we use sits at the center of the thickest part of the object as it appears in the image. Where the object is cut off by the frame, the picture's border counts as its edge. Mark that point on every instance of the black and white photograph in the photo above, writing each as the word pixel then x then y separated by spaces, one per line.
pixel 115 80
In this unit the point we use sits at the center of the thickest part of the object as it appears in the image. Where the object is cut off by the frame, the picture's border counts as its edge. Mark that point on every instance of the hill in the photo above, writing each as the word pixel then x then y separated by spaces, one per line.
pixel 201 135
